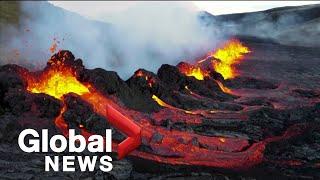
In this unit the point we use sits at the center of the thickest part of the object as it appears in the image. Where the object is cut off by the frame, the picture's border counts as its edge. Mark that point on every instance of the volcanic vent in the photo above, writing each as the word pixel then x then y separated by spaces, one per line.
pixel 194 115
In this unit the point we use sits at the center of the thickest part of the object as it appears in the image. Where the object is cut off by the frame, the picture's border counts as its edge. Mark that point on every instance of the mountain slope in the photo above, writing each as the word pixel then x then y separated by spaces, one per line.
pixel 287 25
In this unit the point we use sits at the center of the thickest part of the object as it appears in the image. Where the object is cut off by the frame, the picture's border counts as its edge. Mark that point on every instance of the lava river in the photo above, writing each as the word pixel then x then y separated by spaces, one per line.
pixel 173 146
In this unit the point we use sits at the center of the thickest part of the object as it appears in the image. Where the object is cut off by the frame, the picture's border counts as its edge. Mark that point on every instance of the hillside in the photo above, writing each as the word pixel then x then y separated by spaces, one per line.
pixel 287 25
pixel 306 34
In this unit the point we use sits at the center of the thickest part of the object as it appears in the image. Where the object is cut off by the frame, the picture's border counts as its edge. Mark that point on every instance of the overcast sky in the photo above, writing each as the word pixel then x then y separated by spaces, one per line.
pixel 101 10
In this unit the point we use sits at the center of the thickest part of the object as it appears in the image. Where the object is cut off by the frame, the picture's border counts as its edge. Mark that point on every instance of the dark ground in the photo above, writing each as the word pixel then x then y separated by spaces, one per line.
pixel 279 86
pixel 289 100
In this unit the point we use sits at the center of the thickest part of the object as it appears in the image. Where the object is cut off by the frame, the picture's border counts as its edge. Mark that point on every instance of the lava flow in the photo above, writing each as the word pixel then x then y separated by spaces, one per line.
pixel 223 88
pixel 168 145
pixel 59 79
pixel 57 83
pixel 163 104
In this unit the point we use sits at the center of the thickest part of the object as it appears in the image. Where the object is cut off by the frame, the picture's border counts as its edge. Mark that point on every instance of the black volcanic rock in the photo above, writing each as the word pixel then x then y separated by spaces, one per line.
pixel 271 121
pixel 249 120
pixel 10 77
pixel 255 101
pixel 79 114
pixel 47 106
pixel 9 128
pixel 302 149
pixel 65 58
pixel 217 76
pixel 110 83
pixel 176 94
pixel 9 81
pixel 18 102
pixel 78 111
pixel 147 83
pixel 305 93
pixel 171 76
pixel 293 158
pixel 250 83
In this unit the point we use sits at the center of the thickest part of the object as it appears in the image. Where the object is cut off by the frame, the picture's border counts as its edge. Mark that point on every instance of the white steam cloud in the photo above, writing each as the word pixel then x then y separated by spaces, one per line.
pixel 144 36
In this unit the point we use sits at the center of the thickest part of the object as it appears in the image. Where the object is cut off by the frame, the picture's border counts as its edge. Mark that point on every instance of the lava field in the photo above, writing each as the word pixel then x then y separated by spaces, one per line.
pixel 196 122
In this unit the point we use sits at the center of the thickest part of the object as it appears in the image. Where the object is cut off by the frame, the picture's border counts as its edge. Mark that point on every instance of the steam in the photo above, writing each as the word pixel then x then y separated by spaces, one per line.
pixel 145 36
pixel 297 26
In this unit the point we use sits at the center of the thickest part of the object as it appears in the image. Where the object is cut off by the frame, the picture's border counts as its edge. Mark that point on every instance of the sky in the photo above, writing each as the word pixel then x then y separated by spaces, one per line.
pixel 101 10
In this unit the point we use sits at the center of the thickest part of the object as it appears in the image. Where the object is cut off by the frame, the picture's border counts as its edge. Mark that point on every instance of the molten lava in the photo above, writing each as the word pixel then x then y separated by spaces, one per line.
pixel 162 103
pixel 175 147
pixel 194 71
pixel 60 123
pixel 59 79
pixel 223 88
pixel 222 60
pixel 229 55
pixel 53 47
pixel 149 79
pixel 57 83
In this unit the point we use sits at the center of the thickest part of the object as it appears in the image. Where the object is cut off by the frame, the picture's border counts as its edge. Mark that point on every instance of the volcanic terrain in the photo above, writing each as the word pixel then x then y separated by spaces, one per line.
pixel 257 116
pixel 249 109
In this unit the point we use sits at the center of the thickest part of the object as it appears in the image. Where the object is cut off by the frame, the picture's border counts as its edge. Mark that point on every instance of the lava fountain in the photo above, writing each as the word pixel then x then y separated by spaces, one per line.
pixel 222 59
pixel 59 79
pixel 231 53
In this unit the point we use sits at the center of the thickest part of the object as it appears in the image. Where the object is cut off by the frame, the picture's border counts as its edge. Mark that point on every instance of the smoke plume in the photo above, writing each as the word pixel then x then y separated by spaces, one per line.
pixel 144 36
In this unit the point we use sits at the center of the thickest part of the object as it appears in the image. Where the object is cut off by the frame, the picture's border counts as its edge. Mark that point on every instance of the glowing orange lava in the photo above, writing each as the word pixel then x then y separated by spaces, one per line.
pixel 221 152
pixel 224 88
pixel 139 73
pixel 53 47
pixel 150 80
pixel 162 103
pixel 197 73
pixel 223 140
pixel 231 53
pixel 223 60
pixel 57 83
pixel 60 123
pixel 59 79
